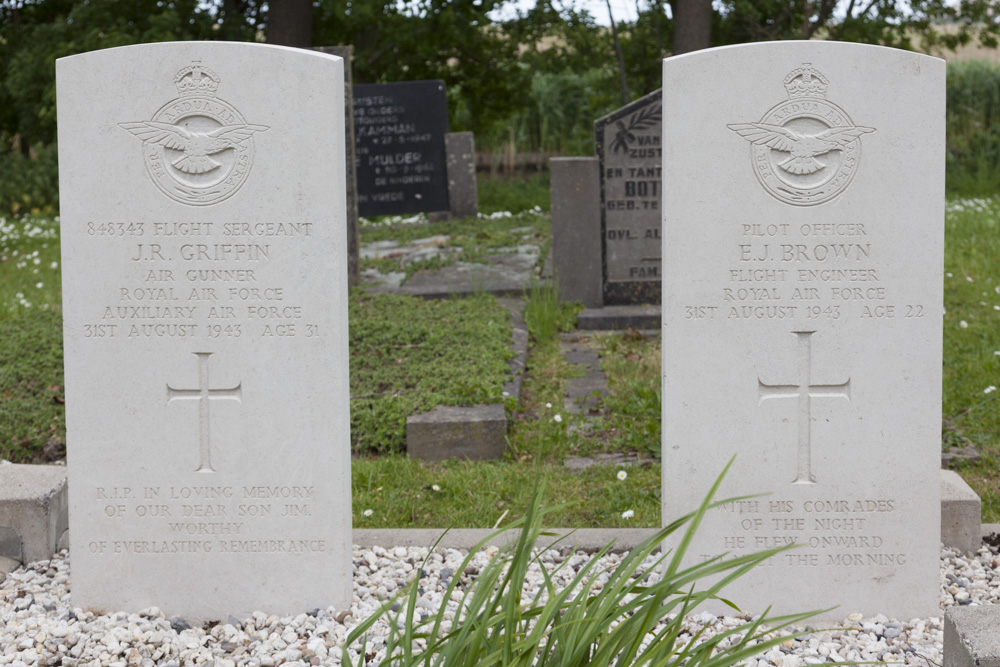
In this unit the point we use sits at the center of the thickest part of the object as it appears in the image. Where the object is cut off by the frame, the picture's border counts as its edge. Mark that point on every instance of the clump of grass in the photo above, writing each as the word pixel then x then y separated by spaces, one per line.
pixel 468 240
pixel 545 315
pixel 635 618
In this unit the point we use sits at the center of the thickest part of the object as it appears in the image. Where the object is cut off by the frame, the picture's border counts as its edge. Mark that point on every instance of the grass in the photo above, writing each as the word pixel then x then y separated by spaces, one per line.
pixel 409 355
pixel 29 264
pixel 971 404
pixel 400 492
pixel 31 394
pixel 517 193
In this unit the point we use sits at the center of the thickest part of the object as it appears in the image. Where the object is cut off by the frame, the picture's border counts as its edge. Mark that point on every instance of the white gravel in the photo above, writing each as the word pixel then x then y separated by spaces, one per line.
pixel 39 626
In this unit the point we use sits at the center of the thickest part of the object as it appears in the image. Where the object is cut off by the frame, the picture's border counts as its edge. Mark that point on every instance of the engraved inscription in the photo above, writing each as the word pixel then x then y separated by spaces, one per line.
pixel 629 149
pixel 804 390
pixel 210 519
pixel 198 149
pixel 829 532
pixel 804 151
pixel 204 395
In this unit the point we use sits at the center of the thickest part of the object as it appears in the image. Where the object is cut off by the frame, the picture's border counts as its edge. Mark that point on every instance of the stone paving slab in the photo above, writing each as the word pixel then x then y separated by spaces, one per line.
pixel 582 395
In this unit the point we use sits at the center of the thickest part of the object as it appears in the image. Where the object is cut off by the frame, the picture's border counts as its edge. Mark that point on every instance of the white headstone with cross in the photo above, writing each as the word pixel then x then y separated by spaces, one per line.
pixel 802 251
pixel 205 323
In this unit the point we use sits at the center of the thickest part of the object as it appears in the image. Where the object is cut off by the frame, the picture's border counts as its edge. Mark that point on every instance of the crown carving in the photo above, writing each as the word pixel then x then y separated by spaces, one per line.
pixel 196 79
pixel 805 82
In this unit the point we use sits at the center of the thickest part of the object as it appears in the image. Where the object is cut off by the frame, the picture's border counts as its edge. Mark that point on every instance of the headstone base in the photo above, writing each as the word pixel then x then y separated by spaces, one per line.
pixel 961 514
pixel 33 511
pixel 970 636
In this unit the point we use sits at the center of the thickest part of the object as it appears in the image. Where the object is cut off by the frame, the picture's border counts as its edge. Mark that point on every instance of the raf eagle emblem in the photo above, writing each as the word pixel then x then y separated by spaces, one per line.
pixel 197 146
pixel 806 150
pixel 803 148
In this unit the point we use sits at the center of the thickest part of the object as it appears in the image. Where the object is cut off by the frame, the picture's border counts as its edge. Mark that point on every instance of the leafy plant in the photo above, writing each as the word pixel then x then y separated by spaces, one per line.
pixel 635 618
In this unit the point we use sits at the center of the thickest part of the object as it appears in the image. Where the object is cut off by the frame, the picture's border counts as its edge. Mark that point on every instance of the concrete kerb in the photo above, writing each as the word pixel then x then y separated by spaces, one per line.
pixel 47 507
pixel 477 432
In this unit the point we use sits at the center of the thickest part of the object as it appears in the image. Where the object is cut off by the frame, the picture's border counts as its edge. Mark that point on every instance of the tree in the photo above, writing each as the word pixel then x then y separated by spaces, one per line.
pixel 290 23
pixel 33 34
pixel 451 40
pixel 903 24
pixel 692 25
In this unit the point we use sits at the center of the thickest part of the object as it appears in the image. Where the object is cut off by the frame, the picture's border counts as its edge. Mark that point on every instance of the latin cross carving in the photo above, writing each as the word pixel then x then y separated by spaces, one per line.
pixel 204 395
pixel 804 390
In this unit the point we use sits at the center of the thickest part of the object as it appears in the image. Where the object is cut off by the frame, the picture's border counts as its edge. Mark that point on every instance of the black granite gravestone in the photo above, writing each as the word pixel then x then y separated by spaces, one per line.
pixel 628 148
pixel 399 134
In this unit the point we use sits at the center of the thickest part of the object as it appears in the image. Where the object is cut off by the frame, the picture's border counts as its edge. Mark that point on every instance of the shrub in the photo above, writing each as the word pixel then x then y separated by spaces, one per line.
pixel 30 184
pixel 973 127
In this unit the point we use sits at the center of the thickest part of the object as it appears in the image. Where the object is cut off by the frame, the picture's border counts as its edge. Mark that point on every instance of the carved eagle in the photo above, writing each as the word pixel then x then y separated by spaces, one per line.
pixel 197 146
pixel 803 147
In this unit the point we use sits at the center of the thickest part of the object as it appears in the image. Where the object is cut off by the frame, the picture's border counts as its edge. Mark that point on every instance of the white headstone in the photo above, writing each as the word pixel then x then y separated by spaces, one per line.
pixel 802 309
pixel 205 323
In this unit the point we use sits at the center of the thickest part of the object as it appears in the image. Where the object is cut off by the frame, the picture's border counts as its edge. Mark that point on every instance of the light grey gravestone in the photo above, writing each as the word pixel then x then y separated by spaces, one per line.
pixel 205 326
pixel 627 144
pixel 803 243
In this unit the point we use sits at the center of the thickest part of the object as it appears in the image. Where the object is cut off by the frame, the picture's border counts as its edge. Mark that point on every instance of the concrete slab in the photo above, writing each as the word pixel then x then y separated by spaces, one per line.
pixel 961 514
pixel 972 636
pixel 478 432
pixel 33 511
pixel 619 317
pixel 466 538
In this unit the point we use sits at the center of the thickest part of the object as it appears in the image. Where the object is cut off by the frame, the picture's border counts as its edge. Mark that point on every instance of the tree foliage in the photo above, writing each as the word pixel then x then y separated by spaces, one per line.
pixel 538 79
